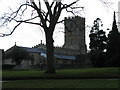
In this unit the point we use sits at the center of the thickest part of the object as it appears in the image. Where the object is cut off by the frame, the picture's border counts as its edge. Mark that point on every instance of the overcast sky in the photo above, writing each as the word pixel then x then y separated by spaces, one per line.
pixel 29 35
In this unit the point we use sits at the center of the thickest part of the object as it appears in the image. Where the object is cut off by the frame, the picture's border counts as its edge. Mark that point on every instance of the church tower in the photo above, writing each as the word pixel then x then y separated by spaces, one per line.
pixel 75 34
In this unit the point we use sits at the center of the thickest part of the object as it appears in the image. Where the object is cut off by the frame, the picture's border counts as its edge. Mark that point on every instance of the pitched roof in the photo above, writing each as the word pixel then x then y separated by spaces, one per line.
pixel 33 50
pixel 43 53
pixel 66 57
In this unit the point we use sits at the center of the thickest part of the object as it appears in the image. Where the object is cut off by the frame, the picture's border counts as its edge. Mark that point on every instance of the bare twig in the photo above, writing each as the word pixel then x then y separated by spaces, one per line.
pixel 11 31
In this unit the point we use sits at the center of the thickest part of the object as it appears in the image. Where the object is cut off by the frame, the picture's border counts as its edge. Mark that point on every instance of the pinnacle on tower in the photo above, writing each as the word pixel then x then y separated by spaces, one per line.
pixel 114 25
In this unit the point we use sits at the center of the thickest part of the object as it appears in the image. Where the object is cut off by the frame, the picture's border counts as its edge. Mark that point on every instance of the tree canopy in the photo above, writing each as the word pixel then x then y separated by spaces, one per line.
pixel 113 45
pixel 97 36
pixel 98 43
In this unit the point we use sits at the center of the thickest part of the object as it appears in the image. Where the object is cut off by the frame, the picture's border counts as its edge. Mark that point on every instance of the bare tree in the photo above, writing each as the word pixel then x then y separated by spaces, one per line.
pixel 47 20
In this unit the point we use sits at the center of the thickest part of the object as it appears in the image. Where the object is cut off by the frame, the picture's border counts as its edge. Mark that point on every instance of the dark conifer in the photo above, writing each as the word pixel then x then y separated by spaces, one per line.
pixel 113 45
pixel 97 43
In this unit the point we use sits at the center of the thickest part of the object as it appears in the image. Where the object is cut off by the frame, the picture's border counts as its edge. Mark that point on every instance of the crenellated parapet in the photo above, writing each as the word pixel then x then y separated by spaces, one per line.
pixel 41 45
pixel 76 17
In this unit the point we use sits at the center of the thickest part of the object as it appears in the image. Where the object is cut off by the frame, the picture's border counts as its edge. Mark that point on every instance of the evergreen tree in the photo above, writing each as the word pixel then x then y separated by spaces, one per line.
pixel 97 37
pixel 97 43
pixel 113 45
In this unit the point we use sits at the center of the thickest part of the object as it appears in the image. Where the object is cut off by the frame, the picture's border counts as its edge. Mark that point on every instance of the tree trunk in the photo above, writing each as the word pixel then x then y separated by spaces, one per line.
pixel 50 52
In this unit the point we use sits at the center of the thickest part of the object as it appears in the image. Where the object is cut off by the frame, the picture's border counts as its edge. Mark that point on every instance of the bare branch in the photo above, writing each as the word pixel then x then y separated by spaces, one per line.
pixel 47 14
pixel 3 35
pixel 66 6
pixel 58 11
pixel 106 4
pixel 76 7
pixel 70 11
pixel 51 16
pixel 31 23
pixel 51 4
pixel 13 15
pixel 40 14
pixel 49 9
pixel 60 21
pixel 28 21
pixel 39 4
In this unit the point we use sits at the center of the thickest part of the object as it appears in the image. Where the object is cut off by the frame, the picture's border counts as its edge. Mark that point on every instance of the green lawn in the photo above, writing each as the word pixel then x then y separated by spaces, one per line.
pixel 63 83
pixel 73 78
pixel 63 73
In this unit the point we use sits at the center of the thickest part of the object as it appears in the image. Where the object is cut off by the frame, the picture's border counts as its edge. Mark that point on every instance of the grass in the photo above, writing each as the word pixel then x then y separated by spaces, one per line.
pixel 71 78
pixel 64 83
pixel 63 73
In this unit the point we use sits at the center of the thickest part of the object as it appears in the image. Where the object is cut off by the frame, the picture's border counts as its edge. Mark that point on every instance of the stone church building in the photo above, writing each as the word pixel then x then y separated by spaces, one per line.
pixel 73 51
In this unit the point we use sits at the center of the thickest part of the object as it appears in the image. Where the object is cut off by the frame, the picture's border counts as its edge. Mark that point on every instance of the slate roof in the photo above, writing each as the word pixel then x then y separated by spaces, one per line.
pixel 66 57
pixel 38 50
pixel 33 50
pixel 42 52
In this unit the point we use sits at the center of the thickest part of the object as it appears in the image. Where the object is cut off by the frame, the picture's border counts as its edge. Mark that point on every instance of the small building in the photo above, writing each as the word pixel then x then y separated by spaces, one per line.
pixel 33 52
pixel 38 56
